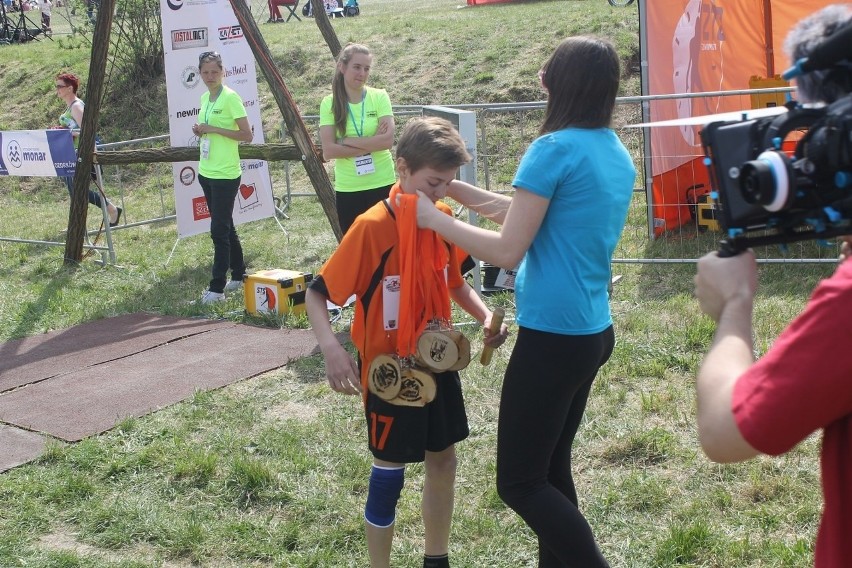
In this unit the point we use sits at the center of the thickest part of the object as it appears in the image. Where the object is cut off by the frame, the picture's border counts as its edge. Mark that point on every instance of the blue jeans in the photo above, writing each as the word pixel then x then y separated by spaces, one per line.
pixel 94 196
pixel 227 250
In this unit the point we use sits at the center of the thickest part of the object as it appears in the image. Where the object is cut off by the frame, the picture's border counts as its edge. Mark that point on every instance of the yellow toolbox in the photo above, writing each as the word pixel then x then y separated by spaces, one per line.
pixel 276 291
pixel 763 100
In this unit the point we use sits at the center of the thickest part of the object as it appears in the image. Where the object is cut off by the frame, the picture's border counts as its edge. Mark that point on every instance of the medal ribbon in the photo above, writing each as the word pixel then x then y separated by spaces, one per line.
pixel 423 258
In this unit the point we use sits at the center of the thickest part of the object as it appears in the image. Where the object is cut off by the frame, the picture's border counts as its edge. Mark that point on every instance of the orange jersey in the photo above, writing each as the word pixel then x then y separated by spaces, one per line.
pixel 366 263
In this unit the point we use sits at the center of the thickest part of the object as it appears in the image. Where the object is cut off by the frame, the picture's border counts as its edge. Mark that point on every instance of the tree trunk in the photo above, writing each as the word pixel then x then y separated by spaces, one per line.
pixel 86 145
pixel 311 156
pixel 268 152
pixel 328 33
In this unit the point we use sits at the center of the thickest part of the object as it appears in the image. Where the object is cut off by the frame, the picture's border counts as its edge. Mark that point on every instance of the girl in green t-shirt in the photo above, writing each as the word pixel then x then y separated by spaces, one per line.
pixel 357 131
pixel 222 125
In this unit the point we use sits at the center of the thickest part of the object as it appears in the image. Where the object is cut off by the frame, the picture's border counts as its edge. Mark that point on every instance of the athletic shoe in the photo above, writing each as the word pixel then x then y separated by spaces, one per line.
pixel 118 211
pixel 209 297
pixel 233 285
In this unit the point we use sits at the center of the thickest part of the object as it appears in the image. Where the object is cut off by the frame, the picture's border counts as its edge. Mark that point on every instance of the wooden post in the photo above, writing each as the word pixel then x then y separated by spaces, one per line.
pixel 311 157
pixel 268 152
pixel 86 145
pixel 327 31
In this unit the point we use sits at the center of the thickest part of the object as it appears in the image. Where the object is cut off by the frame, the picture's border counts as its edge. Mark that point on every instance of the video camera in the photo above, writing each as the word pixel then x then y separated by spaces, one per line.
pixel 766 193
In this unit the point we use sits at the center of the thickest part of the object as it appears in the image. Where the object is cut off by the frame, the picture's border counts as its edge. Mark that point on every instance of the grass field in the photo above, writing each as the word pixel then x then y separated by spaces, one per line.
pixel 272 471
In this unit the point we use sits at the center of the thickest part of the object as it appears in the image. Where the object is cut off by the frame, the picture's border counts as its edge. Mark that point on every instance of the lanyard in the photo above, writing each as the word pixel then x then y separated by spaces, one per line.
pixel 360 133
pixel 210 106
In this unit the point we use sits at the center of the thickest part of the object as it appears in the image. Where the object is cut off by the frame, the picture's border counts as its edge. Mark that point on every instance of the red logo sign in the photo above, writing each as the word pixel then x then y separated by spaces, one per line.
pixel 199 209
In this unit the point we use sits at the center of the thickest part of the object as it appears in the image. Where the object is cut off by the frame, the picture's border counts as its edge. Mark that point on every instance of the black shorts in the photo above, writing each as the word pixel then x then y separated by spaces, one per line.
pixel 403 434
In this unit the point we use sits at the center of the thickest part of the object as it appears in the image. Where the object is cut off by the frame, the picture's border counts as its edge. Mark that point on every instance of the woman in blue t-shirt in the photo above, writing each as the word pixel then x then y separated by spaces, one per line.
pixel 572 191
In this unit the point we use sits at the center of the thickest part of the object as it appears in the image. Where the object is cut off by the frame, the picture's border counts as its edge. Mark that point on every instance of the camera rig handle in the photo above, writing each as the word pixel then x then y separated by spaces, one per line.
pixel 729 248
pixel 736 245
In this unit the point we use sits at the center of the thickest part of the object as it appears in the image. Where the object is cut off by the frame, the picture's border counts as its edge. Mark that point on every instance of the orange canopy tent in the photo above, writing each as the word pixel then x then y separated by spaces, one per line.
pixel 699 46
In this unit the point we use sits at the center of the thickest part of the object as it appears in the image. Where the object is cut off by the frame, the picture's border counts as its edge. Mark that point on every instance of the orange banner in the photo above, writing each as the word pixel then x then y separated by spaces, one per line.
pixel 696 46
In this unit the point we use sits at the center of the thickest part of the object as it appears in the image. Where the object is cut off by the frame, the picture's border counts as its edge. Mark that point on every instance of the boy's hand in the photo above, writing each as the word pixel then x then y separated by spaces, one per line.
pixel 845 248
pixel 495 339
pixel 342 372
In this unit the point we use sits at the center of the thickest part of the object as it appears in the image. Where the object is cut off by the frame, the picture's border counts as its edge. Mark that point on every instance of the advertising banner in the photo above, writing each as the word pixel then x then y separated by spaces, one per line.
pixel 696 46
pixel 191 27
pixel 47 153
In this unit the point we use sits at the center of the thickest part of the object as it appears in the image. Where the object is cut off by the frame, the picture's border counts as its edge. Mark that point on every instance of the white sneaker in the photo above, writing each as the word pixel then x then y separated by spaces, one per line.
pixel 233 285
pixel 209 297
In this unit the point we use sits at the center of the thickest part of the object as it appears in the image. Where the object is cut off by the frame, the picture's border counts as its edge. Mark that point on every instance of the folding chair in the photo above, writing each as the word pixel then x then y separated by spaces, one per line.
pixel 291 6
pixel 275 14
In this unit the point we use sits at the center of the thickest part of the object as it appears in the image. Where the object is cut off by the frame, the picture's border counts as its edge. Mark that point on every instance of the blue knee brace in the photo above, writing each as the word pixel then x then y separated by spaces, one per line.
pixel 385 489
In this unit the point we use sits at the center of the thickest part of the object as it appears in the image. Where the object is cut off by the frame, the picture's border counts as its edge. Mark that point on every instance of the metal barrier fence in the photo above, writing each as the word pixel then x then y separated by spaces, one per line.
pixel 505 130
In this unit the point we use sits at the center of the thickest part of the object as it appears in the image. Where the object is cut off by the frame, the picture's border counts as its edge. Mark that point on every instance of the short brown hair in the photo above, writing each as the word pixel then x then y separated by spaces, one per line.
pixel 70 79
pixel 431 142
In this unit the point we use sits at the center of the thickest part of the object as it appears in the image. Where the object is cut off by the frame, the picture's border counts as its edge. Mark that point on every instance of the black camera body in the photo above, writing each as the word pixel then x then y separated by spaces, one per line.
pixel 764 195
pixel 767 194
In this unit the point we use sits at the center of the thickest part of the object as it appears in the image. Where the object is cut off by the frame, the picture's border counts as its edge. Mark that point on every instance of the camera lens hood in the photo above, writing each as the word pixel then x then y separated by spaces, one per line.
pixel 766 181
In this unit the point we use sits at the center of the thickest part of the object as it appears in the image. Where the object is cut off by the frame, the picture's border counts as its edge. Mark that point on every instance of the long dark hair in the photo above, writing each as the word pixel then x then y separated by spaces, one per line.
pixel 581 78
pixel 340 100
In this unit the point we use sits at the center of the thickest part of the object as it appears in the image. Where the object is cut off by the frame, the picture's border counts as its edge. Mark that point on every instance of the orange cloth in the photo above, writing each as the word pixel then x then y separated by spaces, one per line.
pixel 423 285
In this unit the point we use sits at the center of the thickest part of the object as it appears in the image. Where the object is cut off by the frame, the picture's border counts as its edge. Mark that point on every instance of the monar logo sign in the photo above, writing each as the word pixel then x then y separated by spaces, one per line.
pixel 188 38
pixel 18 156
pixel 13 150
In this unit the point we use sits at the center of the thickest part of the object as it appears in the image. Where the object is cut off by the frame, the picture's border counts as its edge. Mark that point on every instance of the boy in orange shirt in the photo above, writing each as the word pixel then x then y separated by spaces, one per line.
pixel 403 278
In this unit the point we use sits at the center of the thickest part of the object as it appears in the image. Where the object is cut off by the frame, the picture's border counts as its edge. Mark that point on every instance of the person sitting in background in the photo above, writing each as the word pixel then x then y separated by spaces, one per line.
pixel 66 89
pixel 275 13
pixel 801 384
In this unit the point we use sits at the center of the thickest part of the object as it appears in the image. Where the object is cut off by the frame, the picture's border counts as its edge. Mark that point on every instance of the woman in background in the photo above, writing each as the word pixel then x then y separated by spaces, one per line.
pixel 357 132
pixel 222 125
pixel 66 89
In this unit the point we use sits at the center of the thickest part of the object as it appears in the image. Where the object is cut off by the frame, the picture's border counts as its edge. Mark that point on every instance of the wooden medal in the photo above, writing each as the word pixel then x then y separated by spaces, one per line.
pixel 418 388
pixel 437 350
pixel 384 378
pixel 463 344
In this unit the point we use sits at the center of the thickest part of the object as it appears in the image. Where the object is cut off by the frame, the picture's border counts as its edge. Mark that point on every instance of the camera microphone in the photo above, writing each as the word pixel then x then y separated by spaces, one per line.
pixel 836 48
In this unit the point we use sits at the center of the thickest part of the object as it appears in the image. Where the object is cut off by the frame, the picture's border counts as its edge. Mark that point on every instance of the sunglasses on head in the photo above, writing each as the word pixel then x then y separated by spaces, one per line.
pixel 209 55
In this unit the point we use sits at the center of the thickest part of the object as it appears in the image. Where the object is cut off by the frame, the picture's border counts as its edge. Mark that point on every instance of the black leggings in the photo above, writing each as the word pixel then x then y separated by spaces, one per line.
pixel 350 204
pixel 544 396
